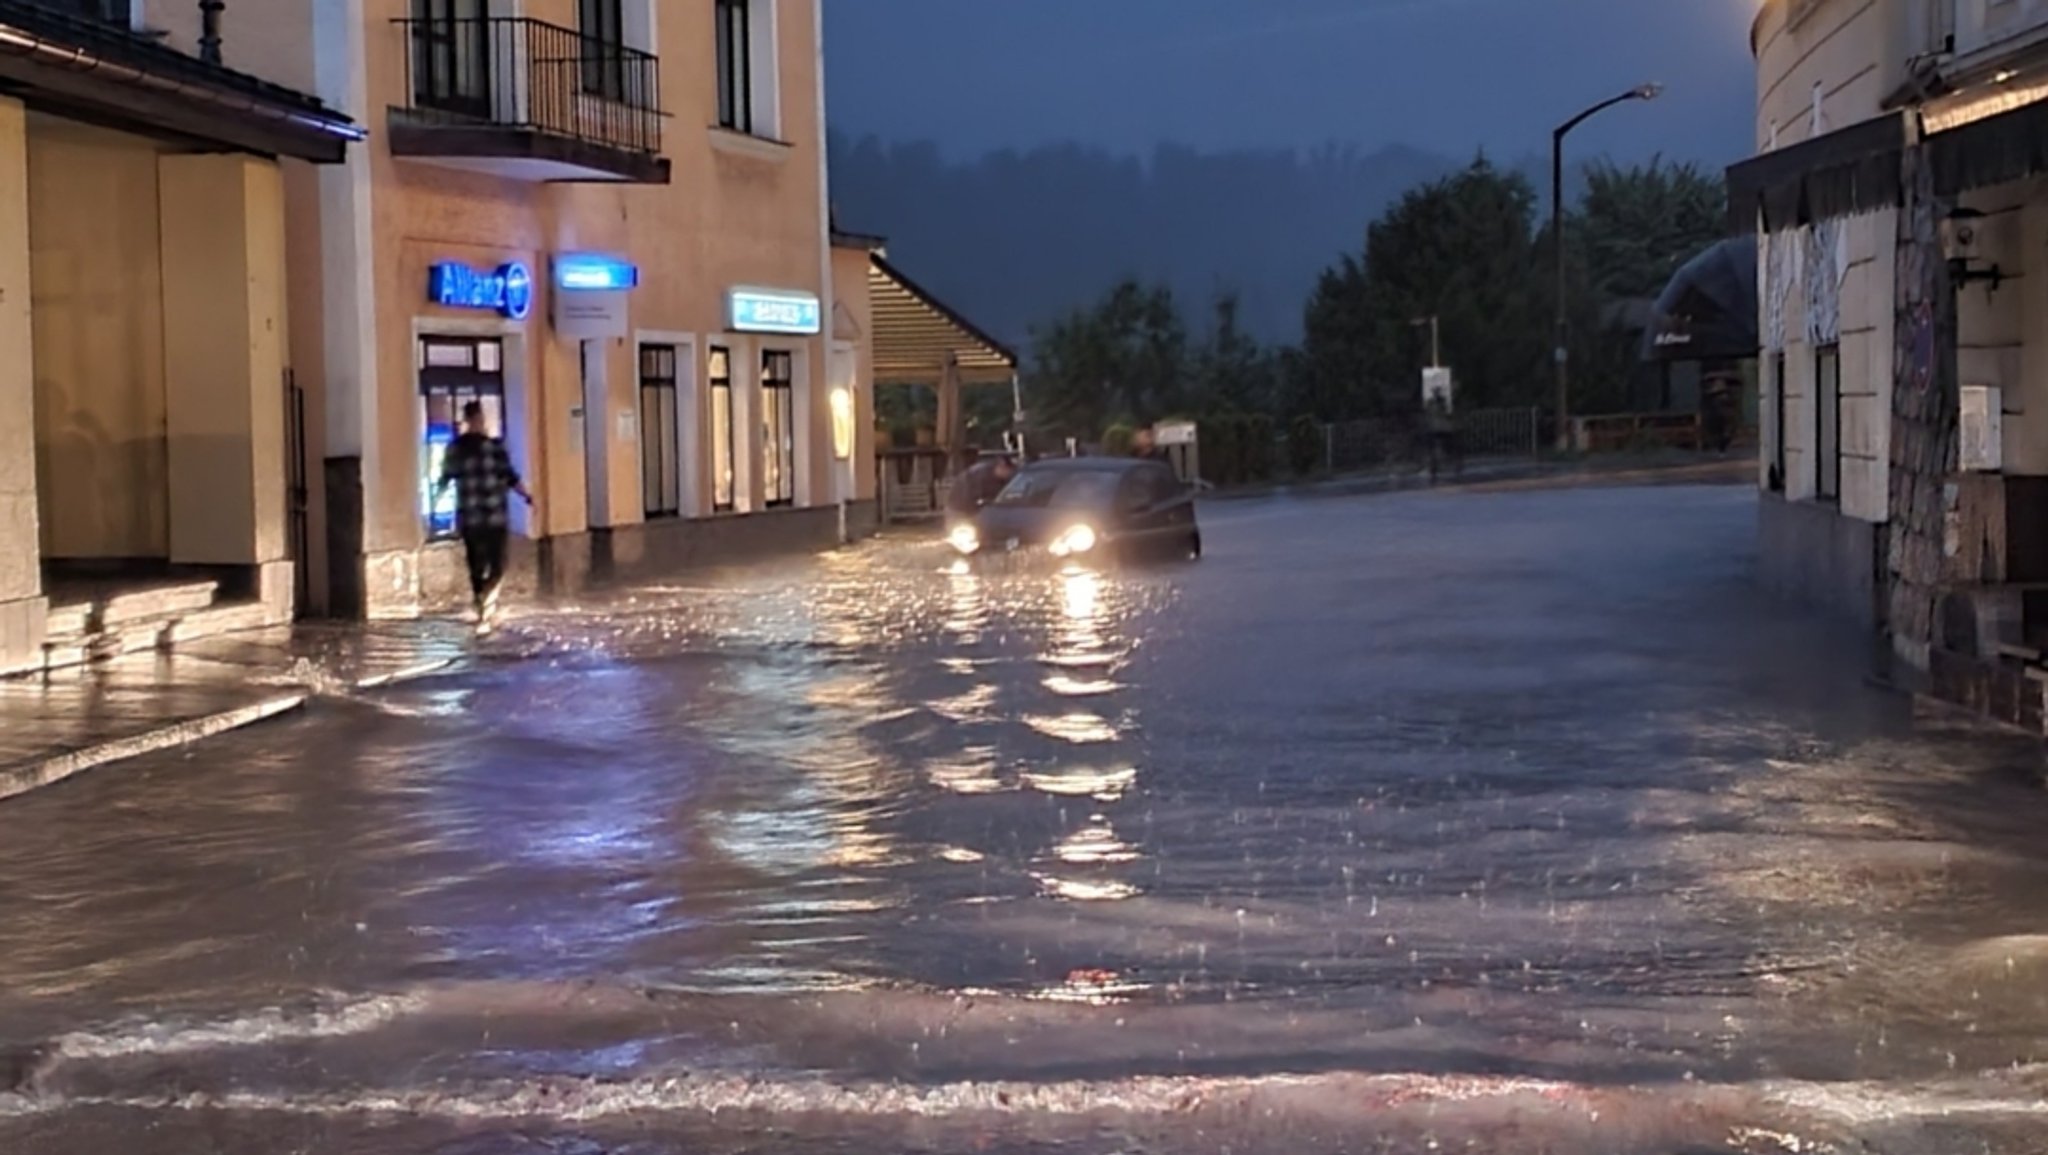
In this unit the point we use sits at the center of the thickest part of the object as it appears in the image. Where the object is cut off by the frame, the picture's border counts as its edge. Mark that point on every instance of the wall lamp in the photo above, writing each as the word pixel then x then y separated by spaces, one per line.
pixel 1961 240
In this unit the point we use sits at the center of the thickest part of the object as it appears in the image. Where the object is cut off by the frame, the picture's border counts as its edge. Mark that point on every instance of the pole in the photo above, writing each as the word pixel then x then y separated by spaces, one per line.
pixel 1436 355
pixel 1558 350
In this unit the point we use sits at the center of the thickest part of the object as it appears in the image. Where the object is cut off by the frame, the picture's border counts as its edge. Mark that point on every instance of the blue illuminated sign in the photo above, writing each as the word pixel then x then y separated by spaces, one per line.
pixel 595 272
pixel 766 311
pixel 508 290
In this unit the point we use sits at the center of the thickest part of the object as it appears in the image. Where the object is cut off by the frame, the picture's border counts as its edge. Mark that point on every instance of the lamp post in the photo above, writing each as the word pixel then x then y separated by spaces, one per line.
pixel 1436 359
pixel 1560 352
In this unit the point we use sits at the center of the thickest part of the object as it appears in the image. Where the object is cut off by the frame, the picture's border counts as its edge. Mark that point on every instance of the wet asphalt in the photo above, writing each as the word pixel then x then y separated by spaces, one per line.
pixel 1507 821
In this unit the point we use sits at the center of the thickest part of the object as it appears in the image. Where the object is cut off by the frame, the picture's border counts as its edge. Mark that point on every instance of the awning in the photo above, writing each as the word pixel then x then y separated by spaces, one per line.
pixel 1709 310
pixel 96 71
pixel 1839 174
pixel 915 335
pixel 2006 147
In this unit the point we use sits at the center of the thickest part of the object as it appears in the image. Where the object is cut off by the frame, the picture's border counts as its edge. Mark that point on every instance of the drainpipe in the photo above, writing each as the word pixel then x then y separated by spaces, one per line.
pixel 209 29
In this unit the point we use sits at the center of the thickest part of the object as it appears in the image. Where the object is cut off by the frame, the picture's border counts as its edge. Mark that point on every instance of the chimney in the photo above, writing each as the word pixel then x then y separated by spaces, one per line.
pixel 209 30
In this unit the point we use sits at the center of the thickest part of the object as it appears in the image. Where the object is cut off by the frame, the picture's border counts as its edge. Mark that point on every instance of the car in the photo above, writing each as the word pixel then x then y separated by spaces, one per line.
pixel 1087 509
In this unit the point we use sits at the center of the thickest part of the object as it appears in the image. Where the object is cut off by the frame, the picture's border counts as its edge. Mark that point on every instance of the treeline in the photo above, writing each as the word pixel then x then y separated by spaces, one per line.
pixel 1468 249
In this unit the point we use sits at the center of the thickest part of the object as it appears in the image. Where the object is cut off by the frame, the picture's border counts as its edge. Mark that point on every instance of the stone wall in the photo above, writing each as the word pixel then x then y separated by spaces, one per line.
pixel 1924 408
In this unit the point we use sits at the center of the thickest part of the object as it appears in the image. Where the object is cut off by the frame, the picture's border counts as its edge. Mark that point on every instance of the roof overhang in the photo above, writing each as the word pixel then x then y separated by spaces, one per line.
pixel 1842 173
pixel 1985 128
pixel 96 72
pixel 914 335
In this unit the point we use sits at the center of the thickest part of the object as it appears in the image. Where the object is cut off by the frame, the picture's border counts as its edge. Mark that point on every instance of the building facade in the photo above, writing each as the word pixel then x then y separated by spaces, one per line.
pixel 607 221
pixel 143 318
pixel 1923 162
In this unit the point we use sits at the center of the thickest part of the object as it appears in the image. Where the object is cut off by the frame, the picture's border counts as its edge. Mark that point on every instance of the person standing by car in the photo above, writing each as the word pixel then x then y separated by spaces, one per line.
pixel 979 486
pixel 481 471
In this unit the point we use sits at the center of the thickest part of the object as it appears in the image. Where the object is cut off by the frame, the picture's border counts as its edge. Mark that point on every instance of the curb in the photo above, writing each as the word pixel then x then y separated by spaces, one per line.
pixel 1525 475
pixel 24 777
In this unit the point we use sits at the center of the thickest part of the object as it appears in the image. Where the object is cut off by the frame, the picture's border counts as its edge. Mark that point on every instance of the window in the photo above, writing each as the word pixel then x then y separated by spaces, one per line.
pixel 723 482
pixel 451 70
pixel 660 473
pixel 604 48
pixel 778 427
pixel 119 12
pixel 1776 477
pixel 735 66
pixel 453 373
pixel 1827 423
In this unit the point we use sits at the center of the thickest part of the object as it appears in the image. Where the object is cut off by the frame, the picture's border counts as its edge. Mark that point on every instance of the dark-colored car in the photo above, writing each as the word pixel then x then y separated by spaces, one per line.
pixel 1088 509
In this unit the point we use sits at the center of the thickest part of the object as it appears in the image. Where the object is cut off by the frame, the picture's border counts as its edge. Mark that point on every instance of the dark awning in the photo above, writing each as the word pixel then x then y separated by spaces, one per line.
pixel 2006 147
pixel 1709 310
pixel 1849 171
pixel 96 71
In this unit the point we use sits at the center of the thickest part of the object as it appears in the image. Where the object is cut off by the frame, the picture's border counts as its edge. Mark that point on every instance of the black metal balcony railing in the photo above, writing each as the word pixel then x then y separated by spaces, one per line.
pixel 116 12
pixel 518 73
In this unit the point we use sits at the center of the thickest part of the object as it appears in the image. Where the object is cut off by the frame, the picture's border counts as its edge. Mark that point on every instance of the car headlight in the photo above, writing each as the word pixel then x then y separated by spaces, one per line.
pixel 1079 539
pixel 964 538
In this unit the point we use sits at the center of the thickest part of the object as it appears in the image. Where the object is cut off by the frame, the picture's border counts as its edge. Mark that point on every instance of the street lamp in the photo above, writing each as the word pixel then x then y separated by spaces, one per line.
pixel 1560 351
pixel 1436 358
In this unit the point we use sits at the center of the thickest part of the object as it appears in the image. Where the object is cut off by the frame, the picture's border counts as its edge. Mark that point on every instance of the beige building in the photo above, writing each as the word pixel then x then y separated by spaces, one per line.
pixel 242 314
pixel 143 330
pixel 606 220
pixel 1899 189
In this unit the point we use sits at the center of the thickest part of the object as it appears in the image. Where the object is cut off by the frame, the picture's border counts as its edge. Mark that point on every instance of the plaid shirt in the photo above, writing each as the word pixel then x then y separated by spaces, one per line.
pixel 483 476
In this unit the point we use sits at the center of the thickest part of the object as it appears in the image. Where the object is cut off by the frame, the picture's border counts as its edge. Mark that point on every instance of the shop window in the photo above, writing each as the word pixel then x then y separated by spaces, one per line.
pixel 1827 423
pixel 453 373
pixel 660 472
pixel 735 35
pixel 778 427
pixel 604 48
pixel 724 487
pixel 1776 477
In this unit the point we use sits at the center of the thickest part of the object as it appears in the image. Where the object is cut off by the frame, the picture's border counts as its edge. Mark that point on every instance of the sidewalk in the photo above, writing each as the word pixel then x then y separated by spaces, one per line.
pixel 1497 473
pixel 57 725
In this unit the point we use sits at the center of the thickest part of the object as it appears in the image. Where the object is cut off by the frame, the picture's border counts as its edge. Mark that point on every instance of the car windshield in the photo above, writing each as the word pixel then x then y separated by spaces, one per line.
pixel 1062 489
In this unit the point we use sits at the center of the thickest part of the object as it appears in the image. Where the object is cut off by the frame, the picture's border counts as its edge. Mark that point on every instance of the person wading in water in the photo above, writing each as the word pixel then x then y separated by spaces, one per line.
pixel 484 480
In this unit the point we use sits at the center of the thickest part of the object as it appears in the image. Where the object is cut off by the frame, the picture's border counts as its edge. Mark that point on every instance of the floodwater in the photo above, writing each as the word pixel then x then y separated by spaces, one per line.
pixel 1506 822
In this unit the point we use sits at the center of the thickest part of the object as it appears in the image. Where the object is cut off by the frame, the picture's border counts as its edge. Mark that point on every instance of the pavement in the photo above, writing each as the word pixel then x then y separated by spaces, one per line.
pixel 56 725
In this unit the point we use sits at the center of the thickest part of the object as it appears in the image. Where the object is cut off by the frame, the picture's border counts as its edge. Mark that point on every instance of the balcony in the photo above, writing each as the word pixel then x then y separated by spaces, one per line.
pixel 527 100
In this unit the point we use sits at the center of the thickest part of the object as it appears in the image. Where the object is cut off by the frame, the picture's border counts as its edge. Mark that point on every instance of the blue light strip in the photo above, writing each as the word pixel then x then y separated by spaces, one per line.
pixel 595 272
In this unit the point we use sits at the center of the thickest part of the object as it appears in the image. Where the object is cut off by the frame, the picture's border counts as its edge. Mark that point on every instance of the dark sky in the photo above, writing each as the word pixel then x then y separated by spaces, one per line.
pixel 1445 75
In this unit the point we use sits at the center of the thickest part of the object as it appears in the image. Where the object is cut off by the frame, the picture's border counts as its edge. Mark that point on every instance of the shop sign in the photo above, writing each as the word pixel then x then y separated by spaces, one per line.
pixel 507 290
pixel 774 311
pixel 595 273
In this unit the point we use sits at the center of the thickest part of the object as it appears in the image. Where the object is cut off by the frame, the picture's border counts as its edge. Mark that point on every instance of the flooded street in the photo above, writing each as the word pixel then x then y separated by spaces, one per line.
pixel 1503 822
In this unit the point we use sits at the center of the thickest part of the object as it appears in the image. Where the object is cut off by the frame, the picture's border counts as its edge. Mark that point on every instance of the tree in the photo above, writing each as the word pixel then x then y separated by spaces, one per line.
pixel 1460 249
pixel 1629 234
pixel 1233 373
pixel 1124 359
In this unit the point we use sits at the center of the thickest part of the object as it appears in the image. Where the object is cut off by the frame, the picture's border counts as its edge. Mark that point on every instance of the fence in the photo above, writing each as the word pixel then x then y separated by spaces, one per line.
pixel 1397 444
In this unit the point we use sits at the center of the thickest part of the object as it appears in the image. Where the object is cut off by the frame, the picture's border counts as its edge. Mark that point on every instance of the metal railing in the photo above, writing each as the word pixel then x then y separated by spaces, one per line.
pixel 521 73
pixel 115 12
pixel 1398 444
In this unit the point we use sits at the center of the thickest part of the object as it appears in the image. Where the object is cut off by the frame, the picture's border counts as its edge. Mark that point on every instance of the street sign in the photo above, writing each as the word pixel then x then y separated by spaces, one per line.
pixel 1436 384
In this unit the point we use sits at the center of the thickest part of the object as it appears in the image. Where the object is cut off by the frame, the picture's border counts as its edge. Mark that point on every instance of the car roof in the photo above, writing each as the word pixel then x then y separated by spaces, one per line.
pixel 1090 465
